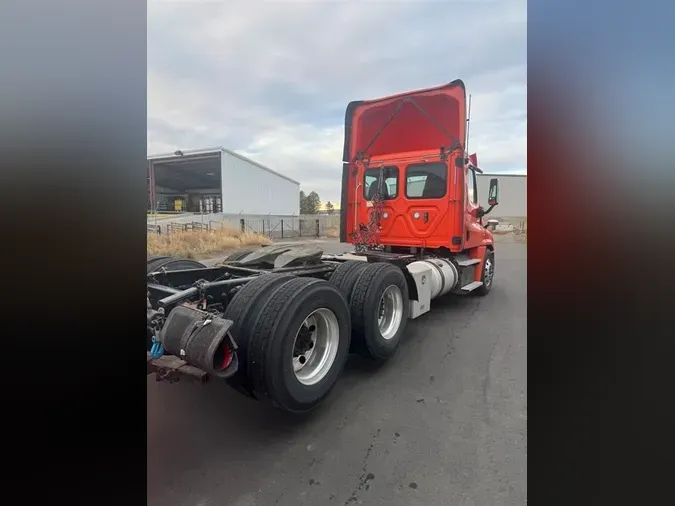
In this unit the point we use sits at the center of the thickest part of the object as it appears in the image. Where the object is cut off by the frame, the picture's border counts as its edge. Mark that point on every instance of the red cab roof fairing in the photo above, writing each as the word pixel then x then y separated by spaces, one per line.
pixel 421 120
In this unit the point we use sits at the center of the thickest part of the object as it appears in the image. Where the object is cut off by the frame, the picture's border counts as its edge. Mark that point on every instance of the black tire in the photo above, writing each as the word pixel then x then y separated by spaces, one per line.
pixel 154 259
pixel 485 288
pixel 367 340
pixel 238 255
pixel 271 343
pixel 345 275
pixel 174 264
pixel 242 310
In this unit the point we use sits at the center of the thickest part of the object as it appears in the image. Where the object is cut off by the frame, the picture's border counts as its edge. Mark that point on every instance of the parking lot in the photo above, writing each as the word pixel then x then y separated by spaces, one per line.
pixel 443 423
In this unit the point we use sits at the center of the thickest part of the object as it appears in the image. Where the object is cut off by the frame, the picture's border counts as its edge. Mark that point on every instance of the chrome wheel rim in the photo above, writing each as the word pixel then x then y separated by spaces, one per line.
pixel 316 346
pixel 489 271
pixel 391 312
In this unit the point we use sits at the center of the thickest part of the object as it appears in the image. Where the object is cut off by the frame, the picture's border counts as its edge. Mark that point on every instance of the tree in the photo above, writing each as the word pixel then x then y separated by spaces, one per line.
pixel 330 208
pixel 309 204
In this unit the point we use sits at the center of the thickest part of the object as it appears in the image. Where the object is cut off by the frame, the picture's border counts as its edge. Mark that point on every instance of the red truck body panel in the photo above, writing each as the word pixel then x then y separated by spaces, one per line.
pixel 406 142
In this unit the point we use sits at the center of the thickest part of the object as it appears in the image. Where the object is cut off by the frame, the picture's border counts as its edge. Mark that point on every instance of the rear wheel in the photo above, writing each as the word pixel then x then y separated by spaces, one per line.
pixel 379 305
pixel 299 344
pixel 488 274
pixel 242 310
pixel 345 275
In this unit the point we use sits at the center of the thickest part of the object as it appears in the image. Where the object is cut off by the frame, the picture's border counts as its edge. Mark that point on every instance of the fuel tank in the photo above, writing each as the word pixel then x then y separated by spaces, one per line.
pixel 442 276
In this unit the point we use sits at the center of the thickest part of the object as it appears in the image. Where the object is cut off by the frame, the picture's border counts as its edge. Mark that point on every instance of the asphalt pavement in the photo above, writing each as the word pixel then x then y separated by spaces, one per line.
pixel 442 423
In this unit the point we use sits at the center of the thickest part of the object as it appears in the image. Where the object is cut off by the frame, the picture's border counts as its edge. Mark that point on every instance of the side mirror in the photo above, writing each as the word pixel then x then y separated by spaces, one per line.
pixel 493 194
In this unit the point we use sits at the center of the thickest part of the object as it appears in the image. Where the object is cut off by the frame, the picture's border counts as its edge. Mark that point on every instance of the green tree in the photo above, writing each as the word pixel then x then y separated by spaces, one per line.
pixel 330 208
pixel 309 204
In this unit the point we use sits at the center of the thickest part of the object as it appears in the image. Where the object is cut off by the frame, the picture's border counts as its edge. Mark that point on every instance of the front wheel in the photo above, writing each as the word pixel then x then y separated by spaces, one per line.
pixel 488 274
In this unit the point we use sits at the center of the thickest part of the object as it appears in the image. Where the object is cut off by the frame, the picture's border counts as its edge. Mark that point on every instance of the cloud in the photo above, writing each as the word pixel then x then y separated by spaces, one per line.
pixel 272 79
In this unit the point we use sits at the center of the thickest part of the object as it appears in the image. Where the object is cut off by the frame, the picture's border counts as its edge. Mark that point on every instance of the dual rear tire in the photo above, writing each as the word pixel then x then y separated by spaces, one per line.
pixel 379 304
pixel 293 336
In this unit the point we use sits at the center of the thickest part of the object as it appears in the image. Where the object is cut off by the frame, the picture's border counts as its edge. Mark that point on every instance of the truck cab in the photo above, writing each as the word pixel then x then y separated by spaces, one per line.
pixel 408 184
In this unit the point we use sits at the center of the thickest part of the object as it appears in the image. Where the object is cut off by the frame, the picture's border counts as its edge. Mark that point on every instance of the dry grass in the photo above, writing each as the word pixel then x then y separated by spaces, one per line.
pixel 201 244
pixel 332 233
pixel 160 215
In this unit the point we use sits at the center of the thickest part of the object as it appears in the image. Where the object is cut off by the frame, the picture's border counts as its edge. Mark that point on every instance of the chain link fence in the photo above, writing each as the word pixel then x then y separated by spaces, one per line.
pixel 289 227
pixel 274 227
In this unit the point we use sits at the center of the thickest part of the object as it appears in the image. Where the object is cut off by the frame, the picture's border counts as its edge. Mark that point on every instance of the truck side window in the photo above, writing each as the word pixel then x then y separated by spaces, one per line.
pixel 471 187
pixel 382 180
pixel 426 180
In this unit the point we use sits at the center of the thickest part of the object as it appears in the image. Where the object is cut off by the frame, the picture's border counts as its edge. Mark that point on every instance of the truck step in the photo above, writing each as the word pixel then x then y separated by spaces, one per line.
pixel 472 286
pixel 470 261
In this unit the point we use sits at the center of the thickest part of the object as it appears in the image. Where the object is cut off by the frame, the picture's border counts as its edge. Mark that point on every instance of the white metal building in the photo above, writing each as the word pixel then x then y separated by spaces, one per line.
pixel 512 194
pixel 238 184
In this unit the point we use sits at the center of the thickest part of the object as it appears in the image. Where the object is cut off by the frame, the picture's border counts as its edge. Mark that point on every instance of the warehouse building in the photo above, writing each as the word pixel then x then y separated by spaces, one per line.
pixel 512 194
pixel 218 180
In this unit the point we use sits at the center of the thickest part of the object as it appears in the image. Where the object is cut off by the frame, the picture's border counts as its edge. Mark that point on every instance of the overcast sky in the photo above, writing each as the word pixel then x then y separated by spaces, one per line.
pixel 271 79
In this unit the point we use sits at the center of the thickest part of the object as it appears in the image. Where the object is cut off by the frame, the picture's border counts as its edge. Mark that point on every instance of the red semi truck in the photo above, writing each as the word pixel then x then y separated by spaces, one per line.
pixel 278 323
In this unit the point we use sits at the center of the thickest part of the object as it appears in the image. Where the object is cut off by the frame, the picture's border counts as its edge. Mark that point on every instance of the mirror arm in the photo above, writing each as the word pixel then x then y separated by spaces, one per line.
pixel 487 211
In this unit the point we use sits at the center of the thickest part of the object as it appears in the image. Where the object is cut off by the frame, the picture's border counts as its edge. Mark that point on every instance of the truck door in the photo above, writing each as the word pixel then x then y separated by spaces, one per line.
pixel 426 196
pixel 473 228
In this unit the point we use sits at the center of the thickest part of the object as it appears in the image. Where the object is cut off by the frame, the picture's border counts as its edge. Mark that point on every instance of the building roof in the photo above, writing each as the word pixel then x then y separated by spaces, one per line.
pixel 215 151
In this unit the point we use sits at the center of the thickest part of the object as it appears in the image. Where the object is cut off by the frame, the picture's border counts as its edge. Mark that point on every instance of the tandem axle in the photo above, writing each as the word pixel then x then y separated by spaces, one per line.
pixel 278 323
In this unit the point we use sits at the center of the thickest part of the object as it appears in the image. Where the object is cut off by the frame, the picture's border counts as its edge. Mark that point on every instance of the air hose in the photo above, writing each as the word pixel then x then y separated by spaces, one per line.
pixel 157 350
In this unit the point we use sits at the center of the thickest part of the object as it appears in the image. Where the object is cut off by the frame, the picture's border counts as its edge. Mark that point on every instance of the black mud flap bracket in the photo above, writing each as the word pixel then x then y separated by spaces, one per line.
pixel 171 368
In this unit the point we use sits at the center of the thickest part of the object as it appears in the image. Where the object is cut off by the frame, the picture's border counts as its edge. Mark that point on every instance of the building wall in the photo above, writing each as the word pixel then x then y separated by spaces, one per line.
pixel 512 195
pixel 250 189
